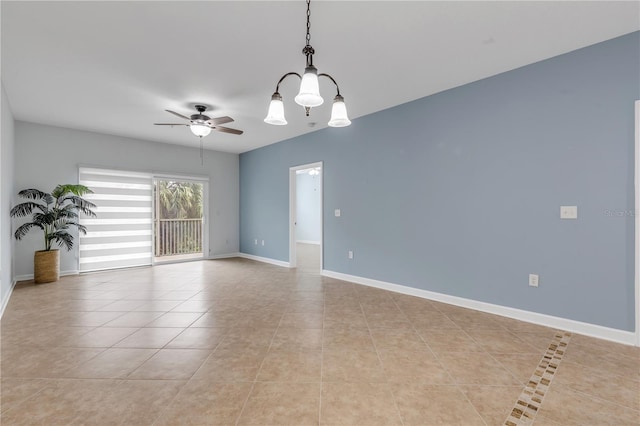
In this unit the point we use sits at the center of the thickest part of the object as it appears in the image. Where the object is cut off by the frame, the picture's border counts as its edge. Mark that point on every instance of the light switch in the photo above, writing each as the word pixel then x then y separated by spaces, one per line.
pixel 568 212
pixel 337 212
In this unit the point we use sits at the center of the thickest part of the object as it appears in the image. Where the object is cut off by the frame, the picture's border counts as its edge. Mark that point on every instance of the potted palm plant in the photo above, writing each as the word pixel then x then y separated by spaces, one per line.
pixel 53 213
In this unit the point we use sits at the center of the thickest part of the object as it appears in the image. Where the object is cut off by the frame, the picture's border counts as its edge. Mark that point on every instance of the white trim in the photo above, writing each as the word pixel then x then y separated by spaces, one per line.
pixel 223 256
pixel 614 335
pixel 308 242
pixel 206 218
pixel 178 176
pixel 293 256
pixel 5 302
pixel 264 260
pixel 172 262
pixel 637 220
pixel 98 169
pixel 293 219
pixel 27 277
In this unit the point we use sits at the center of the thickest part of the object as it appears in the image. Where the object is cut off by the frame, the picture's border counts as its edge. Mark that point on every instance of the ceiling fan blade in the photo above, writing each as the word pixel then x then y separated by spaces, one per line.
pixel 220 120
pixel 170 124
pixel 179 115
pixel 228 130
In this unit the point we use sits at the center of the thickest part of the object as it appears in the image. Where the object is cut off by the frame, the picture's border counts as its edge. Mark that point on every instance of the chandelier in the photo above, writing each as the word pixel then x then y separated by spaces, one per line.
pixel 309 94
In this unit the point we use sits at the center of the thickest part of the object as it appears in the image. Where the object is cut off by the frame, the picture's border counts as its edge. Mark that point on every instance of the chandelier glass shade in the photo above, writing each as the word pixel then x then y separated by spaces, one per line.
pixel 339 113
pixel 309 95
pixel 275 115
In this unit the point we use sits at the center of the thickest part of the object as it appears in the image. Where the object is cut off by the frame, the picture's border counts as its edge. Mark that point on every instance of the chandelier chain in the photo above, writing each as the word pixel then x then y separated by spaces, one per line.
pixel 308 38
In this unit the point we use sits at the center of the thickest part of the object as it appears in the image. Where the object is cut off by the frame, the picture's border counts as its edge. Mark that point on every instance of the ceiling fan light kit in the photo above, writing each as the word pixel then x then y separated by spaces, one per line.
pixel 201 125
pixel 309 94
pixel 200 129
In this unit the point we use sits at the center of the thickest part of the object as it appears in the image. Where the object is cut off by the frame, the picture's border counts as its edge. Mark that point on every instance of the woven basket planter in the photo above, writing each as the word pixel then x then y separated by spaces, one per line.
pixel 46 265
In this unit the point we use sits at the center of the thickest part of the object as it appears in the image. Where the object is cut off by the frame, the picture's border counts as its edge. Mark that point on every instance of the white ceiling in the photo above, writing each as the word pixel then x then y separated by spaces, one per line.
pixel 114 67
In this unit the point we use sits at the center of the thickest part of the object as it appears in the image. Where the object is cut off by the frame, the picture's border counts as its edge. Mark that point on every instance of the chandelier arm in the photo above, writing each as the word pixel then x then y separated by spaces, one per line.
pixel 332 79
pixel 285 76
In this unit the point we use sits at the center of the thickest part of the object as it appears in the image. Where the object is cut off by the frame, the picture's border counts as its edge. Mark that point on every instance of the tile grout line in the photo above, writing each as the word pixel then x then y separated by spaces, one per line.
pixel 175 397
pixel 126 378
pixel 530 400
pixel 490 355
pixel 324 311
pixel 255 379
pixel 453 380
pixel 364 314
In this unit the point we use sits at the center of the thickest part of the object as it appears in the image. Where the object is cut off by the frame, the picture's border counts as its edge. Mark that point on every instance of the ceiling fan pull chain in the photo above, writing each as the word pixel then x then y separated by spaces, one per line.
pixel 201 152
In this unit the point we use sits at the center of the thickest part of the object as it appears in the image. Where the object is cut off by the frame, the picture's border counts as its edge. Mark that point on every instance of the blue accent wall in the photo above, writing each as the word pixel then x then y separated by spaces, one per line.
pixel 460 192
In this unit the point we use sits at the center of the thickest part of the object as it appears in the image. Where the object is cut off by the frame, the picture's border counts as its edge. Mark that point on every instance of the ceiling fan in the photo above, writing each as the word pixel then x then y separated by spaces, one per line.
pixel 201 125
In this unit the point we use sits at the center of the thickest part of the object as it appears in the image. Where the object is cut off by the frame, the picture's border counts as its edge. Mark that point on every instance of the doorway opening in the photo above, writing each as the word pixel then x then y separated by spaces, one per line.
pixel 305 217
pixel 178 219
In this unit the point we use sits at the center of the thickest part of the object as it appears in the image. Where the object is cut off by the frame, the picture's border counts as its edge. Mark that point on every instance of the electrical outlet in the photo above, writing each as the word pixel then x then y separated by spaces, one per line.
pixel 255 242
pixel 533 280
pixel 262 242
pixel 336 212
pixel 350 254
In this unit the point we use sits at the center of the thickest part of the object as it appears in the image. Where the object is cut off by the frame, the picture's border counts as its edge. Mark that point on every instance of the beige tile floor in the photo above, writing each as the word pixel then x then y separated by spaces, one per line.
pixel 239 342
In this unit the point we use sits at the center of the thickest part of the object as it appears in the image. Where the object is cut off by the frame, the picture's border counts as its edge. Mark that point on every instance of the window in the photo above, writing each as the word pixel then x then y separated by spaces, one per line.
pixel 122 233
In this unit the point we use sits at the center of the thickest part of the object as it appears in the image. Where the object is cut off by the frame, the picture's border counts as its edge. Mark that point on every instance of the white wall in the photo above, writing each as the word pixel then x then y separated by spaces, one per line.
pixel 7 143
pixel 46 156
pixel 308 206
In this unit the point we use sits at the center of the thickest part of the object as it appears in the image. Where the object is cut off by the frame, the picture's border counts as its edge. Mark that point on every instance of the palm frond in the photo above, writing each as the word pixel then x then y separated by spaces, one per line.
pixel 44 218
pixel 61 224
pixel 36 194
pixel 25 228
pixel 81 228
pixel 62 238
pixel 81 204
pixel 61 190
pixel 25 209
pixel 68 212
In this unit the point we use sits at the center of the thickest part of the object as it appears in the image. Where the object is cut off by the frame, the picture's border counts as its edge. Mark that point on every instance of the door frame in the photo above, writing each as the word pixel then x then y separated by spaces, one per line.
pixel 637 218
pixel 204 180
pixel 293 211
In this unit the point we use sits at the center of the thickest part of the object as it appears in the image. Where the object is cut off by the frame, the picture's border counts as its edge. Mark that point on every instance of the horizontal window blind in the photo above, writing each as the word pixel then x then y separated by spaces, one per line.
pixel 121 234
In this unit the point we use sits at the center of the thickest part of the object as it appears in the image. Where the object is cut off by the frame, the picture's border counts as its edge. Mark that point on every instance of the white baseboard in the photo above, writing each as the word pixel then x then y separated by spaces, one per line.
pixel 264 260
pixel 28 277
pixel 5 302
pixel 317 243
pixel 600 332
pixel 224 256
